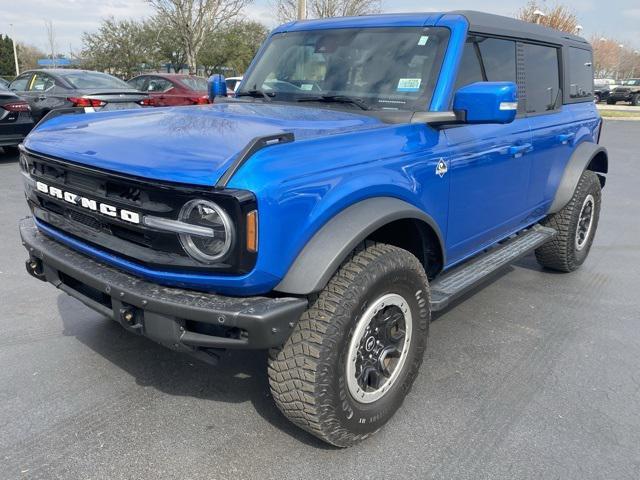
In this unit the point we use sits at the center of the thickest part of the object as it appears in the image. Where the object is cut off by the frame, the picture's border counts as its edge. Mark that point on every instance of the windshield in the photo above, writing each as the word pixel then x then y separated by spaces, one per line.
pixel 385 68
pixel 194 83
pixel 82 80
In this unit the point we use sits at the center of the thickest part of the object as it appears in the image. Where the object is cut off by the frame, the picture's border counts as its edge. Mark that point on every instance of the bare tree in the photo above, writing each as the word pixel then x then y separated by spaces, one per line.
pixel 287 10
pixel 51 40
pixel 613 58
pixel 558 16
pixel 193 20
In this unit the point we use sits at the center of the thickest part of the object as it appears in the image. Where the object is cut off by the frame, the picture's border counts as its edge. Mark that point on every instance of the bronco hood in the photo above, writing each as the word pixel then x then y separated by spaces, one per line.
pixel 193 145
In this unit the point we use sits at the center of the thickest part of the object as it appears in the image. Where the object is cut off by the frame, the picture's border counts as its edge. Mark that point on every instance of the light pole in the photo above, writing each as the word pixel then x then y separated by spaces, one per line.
pixel 579 29
pixel 619 61
pixel 15 51
pixel 302 9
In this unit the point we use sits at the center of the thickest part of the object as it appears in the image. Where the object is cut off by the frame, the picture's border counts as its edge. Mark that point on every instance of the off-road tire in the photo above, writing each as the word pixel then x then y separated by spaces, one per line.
pixel 635 100
pixel 307 375
pixel 560 253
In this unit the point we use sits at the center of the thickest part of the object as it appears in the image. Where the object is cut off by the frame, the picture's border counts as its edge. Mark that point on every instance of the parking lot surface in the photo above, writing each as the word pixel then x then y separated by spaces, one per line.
pixel 536 375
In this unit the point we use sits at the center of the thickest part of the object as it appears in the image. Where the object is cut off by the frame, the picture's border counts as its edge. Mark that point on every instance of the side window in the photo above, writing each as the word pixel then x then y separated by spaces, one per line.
pixel 580 74
pixel 499 59
pixel 487 60
pixel 20 83
pixel 470 70
pixel 542 78
pixel 137 83
pixel 159 85
pixel 41 83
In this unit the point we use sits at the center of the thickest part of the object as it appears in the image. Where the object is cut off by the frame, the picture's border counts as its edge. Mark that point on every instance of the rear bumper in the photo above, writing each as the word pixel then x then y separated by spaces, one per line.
pixel 184 320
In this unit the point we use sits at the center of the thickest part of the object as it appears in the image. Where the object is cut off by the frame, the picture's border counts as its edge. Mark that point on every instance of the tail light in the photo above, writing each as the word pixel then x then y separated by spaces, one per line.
pixel 17 107
pixel 147 102
pixel 86 102
pixel 203 100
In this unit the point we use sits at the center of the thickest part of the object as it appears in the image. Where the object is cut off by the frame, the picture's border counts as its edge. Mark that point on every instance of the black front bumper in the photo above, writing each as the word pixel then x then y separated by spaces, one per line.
pixel 180 319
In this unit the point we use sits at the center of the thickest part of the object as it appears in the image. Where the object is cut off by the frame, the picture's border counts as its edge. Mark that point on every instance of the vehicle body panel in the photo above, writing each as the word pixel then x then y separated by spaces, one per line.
pixel 57 90
pixel 500 178
pixel 14 126
pixel 174 92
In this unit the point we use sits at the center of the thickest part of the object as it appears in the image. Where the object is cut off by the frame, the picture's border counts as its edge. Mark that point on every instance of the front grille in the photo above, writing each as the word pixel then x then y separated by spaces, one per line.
pixel 87 220
pixel 132 241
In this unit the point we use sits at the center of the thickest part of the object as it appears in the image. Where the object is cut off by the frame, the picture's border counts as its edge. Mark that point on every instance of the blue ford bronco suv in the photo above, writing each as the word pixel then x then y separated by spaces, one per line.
pixel 369 171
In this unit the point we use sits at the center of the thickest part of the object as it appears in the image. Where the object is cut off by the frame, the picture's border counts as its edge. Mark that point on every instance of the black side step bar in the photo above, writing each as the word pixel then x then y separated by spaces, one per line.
pixel 460 280
pixel 252 147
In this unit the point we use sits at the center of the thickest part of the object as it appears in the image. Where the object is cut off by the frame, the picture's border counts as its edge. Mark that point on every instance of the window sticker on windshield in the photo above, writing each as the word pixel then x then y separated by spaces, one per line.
pixel 423 40
pixel 409 85
pixel 306 86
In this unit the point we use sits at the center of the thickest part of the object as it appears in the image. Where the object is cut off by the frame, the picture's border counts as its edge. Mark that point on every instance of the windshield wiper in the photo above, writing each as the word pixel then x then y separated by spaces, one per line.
pixel 337 99
pixel 256 94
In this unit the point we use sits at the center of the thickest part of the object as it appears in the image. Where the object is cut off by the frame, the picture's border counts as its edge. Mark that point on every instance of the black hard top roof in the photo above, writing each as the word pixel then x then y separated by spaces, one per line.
pixel 480 22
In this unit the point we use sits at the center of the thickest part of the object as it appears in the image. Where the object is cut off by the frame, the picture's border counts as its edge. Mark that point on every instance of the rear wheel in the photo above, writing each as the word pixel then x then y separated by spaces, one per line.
pixel 355 353
pixel 576 225
pixel 635 100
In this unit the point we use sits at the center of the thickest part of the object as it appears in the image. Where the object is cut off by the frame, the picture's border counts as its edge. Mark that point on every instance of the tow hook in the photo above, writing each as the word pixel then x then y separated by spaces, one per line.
pixel 35 268
pixel 130 317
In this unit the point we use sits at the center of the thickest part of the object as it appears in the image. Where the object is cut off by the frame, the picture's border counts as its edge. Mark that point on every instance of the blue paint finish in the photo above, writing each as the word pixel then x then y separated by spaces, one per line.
pixel 483 102
pixel 489 184
pixel 249 284
pixel 152 143
pixel 443 92
pixel 501 177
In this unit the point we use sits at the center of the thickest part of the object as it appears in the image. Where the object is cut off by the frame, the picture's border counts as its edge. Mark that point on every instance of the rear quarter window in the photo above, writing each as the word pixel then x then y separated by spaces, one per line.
pixel 580 74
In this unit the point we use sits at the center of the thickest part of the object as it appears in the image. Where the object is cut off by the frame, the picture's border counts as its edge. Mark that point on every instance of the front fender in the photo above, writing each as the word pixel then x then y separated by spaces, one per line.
pixel 331 245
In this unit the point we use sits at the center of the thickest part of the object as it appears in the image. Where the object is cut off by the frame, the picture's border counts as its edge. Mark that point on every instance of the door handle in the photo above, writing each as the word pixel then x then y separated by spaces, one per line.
pixel 565 137
pixel 519 150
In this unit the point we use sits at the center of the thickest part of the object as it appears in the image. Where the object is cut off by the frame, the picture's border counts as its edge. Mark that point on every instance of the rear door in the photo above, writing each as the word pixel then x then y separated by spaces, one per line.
pixel 42 95
pixel 552 125
pixel 161 91
pixel 488 164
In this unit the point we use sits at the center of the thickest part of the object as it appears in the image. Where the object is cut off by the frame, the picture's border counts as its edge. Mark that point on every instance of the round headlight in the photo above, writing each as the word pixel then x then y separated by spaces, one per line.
pixel 211 247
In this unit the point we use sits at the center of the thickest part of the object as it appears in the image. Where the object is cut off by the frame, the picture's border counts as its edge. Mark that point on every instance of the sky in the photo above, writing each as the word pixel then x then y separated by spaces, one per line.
pixel 619 19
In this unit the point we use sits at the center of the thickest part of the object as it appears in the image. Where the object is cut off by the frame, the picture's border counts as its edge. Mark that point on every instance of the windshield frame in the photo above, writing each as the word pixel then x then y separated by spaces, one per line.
pixel 376 102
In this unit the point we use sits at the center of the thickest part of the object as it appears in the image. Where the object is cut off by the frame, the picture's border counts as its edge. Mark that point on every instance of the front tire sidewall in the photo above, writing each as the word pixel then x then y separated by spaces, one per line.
pixel 361 418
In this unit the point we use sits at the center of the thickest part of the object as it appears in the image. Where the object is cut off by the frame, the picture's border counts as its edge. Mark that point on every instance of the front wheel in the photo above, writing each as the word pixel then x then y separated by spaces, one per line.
pixel 635 100
pixel 576 225
pixel 355 353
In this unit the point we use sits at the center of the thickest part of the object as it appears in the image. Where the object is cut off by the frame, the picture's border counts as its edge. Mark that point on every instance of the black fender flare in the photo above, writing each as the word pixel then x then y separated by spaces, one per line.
pixel 580 160
pixel 329 247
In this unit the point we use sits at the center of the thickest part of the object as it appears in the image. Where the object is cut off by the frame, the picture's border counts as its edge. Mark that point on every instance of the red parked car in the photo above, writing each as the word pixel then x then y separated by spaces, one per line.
pixel 169 90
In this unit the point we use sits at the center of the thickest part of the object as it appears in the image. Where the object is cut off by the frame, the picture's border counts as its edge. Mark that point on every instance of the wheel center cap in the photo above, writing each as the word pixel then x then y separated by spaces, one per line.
pixel 370 343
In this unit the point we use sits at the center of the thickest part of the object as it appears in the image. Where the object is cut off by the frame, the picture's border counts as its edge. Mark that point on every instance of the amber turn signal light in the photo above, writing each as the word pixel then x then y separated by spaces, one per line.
pixel 252 231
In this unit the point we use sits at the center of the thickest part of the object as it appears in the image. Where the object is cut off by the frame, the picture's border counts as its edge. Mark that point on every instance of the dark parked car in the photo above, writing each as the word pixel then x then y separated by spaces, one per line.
pixel 15 119
pixel 629 91
pixel 601 92
pixel 48 90
pixel 166 90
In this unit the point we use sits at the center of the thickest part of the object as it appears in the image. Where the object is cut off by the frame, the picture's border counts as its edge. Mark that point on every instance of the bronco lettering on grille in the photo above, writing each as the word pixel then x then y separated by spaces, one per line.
pixel 87 203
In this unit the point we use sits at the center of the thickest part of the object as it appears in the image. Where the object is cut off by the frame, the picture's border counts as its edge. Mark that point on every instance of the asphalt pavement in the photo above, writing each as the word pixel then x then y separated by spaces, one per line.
pixel 536 375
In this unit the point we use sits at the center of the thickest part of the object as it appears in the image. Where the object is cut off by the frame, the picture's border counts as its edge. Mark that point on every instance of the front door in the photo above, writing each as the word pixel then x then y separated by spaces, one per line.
pixel 489 165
